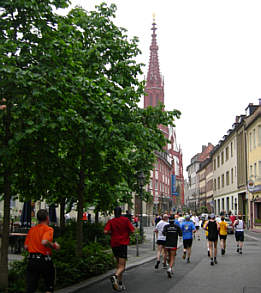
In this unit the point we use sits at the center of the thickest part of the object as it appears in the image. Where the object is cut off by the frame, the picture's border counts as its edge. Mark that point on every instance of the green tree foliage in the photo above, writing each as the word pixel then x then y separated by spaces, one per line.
pixel 71 129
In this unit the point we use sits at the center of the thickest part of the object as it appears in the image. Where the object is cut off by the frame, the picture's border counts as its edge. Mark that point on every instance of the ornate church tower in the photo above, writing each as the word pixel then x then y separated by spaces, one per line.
pixel 154 84
pixel 167 182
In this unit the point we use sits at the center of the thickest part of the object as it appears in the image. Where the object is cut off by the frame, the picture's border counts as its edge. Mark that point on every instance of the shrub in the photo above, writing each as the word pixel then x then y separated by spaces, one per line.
pixel 70 269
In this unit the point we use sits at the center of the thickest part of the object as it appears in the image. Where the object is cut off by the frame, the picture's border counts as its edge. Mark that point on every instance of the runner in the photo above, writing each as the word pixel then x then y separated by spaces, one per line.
pixel 181 218
pixel 195 220
pixel 161 241
pixel 223 235
pixel 171 231
pixel 239 234
pixel 119 228
pixel 39 243
pixel 213 227
pixel 206 232
pixel 188 229
pixel 157 219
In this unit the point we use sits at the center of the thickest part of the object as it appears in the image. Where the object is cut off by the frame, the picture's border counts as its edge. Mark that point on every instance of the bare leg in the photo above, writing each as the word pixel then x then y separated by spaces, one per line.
pixel 215 249
pixel 159 252
pixel 120 268
pixel 189 252
pixel 172 254
pixel 225 244
pixel 210 244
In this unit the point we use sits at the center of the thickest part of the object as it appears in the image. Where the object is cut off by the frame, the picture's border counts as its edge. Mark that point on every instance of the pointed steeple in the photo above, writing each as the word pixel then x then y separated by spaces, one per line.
pixel 154 82
pixel 153 76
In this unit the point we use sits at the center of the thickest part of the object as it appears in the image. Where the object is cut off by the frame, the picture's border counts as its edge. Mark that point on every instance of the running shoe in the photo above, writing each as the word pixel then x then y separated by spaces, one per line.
pixel 222 251
pixel 122 287
pixel 164 266
pixel 188 260
pixel 215 261
pixel 115 283
pixel 208 253
pixel 238 250
pixel 157 264
pixel 212 262
pixel 169 272
pixel 184 255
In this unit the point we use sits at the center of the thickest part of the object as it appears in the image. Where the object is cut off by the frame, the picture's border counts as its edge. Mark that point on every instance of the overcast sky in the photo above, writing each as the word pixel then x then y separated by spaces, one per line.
pixel 210 57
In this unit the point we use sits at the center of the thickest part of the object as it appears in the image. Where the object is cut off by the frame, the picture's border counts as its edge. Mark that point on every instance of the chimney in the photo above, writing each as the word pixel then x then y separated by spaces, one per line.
pixel 237 119
pixel 203 148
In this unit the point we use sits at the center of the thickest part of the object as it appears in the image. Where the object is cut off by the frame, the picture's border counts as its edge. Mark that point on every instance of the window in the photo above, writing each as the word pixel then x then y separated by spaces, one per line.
pixel 227 153
pixel 250 141
pixel 232 176
pixel 222 180
pixel 231 146
pixel 259 169
pixel 215 184
pixel 255 170
pixel 259 135
pixel 151 99
pixel 215 164
pixel 218 182
pixel 251 171
pixel 254 138
pixel 218 161
pixel 223 204
pixel 156 185
pixel 227 177
pixel 222 158
pixel 150 184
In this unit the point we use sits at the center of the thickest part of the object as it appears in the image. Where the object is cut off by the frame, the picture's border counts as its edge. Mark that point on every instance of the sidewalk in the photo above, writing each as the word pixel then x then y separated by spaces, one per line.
pixel 146 254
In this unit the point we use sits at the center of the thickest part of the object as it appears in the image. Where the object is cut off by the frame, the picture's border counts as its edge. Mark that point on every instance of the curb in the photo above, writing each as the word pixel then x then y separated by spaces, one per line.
pixel 84 284
pixel 96 279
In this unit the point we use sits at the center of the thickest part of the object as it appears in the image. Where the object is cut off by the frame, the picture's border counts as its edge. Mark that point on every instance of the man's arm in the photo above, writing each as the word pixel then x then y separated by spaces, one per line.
pixel 47 240
pixel 107 228
pixel 206 226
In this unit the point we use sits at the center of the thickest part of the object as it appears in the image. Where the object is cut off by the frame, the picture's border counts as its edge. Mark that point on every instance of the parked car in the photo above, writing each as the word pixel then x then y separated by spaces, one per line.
pixel 230 229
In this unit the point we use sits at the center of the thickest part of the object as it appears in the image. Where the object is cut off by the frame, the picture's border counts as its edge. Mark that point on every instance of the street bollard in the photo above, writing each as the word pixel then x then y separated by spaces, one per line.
pixel 137 244
pixel 154 240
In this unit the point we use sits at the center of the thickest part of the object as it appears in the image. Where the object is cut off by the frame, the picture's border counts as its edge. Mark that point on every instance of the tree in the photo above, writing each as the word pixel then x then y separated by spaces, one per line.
pixel 21 27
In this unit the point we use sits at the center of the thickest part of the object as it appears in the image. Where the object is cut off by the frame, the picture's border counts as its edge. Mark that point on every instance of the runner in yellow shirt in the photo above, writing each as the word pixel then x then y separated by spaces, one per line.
pixel 223 234
pixel 206 232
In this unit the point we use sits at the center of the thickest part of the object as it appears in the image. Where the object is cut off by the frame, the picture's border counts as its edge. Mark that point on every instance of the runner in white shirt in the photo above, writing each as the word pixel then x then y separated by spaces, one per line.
pixel 195 219
pixel 161 240
pixel 239 226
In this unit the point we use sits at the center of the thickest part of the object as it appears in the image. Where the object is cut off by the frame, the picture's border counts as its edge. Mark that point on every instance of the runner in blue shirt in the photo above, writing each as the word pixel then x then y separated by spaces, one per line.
pixel 188 228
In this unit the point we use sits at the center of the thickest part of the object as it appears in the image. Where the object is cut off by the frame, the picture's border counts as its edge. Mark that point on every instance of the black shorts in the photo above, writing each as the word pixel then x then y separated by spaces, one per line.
pixel 120 251
pixel 197 227
pixel 239 236
pixel 36 269
pixel 213 239
pixel 224 237
pixel 161 242
pixel 187 243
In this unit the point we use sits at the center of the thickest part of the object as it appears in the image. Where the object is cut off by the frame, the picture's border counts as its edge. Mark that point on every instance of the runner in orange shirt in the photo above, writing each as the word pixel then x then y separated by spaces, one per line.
pixel 39 243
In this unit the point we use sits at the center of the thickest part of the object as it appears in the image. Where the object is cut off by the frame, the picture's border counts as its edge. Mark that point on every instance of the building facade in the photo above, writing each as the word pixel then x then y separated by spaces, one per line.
pixel 193 191
pixel 253 139
pixel 224 158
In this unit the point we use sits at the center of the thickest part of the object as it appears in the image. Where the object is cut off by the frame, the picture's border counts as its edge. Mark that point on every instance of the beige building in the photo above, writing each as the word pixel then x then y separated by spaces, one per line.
pixel 225 174
pixel 253 138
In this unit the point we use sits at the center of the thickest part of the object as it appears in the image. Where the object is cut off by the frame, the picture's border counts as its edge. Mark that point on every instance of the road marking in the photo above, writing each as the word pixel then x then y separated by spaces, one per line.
pixel 252 237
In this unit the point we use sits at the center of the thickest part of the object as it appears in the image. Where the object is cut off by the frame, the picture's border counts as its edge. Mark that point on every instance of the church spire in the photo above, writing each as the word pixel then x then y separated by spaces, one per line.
pixel 153 76
pixel 154 83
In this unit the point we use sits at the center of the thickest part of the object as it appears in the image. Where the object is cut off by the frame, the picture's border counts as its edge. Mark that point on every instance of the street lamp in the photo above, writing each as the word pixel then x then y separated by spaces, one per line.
pixel 141 179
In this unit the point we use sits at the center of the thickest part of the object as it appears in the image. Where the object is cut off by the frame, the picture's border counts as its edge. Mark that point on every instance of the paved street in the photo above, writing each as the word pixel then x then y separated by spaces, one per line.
pixel 233 273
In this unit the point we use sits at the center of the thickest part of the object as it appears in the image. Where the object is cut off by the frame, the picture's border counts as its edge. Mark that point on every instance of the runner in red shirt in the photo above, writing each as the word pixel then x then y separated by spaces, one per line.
pixel 119 228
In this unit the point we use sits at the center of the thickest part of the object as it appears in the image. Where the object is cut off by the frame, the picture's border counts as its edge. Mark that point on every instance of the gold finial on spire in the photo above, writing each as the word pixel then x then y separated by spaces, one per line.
pixel 154 16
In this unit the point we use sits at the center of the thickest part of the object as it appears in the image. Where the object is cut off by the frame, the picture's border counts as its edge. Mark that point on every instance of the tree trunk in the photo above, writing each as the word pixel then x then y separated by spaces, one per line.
pixel 62 217
pixel 81 186
pixel 7 198
pixel 97 217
